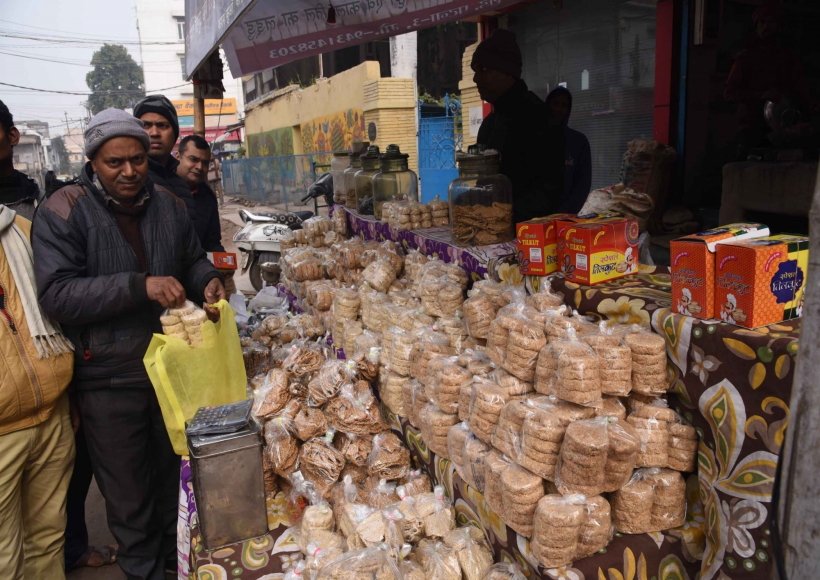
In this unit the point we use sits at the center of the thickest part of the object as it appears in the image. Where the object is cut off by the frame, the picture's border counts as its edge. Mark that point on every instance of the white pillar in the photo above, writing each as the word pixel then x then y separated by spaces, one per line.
pixel 403 55
pixel 404 63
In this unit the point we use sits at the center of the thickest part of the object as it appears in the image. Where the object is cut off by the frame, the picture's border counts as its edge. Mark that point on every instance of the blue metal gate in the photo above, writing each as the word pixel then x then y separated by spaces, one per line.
pixel 437 162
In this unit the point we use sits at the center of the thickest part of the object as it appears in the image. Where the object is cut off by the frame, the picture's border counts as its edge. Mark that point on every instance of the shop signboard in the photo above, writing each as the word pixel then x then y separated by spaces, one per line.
pixel 212 133
pixel 185 107
pixel 206 22
pixel 270 34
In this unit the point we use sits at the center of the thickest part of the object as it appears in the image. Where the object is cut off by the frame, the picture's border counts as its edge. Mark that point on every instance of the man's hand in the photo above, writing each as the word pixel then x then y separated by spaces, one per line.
pixel 214 291
pixel 166 290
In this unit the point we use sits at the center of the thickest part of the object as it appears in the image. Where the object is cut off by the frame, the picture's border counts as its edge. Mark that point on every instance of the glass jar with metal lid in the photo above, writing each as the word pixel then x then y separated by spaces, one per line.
pixel 338 163
pixel 395 182
pixel 371 163
pixel 350 173
pixel 481 210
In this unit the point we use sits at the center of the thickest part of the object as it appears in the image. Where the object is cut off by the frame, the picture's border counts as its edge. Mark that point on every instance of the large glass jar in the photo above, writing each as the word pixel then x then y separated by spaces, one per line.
pixel 481 210
pixel 395 182
pixel 338 163
pixel 350 173
pixel 364 180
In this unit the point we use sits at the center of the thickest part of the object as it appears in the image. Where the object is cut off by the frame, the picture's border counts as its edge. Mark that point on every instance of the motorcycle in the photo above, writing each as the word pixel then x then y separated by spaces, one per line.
pixel 259 240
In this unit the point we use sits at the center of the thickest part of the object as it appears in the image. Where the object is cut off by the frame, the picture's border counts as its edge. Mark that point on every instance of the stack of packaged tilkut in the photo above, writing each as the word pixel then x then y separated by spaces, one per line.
pixel 561 423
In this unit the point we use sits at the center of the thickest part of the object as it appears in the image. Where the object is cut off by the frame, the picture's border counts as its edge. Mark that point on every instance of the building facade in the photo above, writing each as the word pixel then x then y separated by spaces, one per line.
pixel 75 148
pixel 30 156
pixel 164 66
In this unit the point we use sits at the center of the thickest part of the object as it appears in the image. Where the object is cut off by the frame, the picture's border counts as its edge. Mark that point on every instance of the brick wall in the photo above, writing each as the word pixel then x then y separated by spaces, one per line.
pixel 390 105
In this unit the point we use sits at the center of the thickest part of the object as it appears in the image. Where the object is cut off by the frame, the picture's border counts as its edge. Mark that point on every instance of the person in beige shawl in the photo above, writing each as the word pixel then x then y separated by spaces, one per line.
pixel 36 438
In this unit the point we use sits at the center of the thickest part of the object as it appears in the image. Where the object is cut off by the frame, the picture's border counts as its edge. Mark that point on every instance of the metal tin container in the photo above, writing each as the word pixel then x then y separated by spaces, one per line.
pixel 229 486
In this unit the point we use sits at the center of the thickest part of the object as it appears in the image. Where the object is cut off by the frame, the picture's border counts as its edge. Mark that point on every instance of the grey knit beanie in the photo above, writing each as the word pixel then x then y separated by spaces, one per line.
pixel 112 123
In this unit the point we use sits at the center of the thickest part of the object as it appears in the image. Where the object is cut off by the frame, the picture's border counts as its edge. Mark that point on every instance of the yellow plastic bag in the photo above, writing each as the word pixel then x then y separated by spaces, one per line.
pixel 186 378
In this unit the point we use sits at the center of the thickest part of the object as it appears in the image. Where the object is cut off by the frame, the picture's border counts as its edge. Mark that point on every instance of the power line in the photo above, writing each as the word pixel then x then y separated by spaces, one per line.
pixel 87 41
pixel 57 32
pixel 86 94
pixel 33 26
pixel 80 63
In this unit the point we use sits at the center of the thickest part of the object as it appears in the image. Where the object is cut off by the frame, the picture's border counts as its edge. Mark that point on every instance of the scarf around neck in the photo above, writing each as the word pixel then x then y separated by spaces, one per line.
pixel 48 339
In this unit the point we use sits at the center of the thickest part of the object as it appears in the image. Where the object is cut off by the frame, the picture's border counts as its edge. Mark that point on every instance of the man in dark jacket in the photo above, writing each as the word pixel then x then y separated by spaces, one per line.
pixel 531 150
pixel 159 116
pixel 110 254
pixel 577 155
pixel 194 158
pixel 17 191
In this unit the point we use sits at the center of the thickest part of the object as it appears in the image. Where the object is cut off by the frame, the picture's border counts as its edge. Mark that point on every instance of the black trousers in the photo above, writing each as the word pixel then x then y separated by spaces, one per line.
pixel 138 475
pixel 76 532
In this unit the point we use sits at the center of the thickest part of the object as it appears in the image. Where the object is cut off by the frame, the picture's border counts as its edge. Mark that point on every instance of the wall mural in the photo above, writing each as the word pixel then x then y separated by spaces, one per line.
pixel 274 143
pixel 333 132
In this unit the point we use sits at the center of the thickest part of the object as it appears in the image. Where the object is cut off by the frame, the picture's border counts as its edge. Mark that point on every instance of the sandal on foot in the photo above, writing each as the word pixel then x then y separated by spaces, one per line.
pixel 97 557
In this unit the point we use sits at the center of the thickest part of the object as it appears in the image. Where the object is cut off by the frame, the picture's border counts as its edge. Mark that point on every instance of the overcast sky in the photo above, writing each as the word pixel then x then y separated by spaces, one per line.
pixel 56 22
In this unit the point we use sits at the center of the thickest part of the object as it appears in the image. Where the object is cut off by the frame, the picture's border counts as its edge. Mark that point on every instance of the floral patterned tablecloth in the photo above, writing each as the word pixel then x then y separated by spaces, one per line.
pixel 267 557
pixel 734 386
pixel 673 555
pixel 496 260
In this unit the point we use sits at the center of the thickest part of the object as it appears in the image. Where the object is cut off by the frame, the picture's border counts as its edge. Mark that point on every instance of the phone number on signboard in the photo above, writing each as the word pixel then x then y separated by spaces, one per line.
pixel 318 44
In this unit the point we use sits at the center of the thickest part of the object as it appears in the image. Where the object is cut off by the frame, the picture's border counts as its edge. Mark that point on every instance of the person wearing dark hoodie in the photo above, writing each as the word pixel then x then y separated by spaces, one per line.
pixel 518 128
pixel 17 190
pixel 577 155
pixel 159 116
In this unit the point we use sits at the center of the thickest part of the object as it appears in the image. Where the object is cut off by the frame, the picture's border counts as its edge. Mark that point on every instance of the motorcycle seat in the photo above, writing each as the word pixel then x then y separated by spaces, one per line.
pixel 303 215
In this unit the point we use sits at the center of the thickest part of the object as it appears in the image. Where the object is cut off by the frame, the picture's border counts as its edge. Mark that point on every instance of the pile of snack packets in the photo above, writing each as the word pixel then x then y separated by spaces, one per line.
pixel 561 423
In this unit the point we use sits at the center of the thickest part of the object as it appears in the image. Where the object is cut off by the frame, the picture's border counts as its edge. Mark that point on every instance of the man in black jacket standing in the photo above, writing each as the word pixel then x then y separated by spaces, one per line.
pixel 159 116
pixel 194 158
pixel 110 254
pixel 518 128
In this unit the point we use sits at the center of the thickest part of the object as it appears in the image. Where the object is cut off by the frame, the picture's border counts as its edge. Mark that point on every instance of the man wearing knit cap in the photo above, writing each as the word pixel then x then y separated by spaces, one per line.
pixel 111 253
pixel 531 150
pixel 159 116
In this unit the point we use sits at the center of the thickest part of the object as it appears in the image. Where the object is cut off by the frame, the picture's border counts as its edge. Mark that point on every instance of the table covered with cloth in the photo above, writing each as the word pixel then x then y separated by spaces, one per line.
pixel 734 385
pixel 731 383
pixel 672 555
